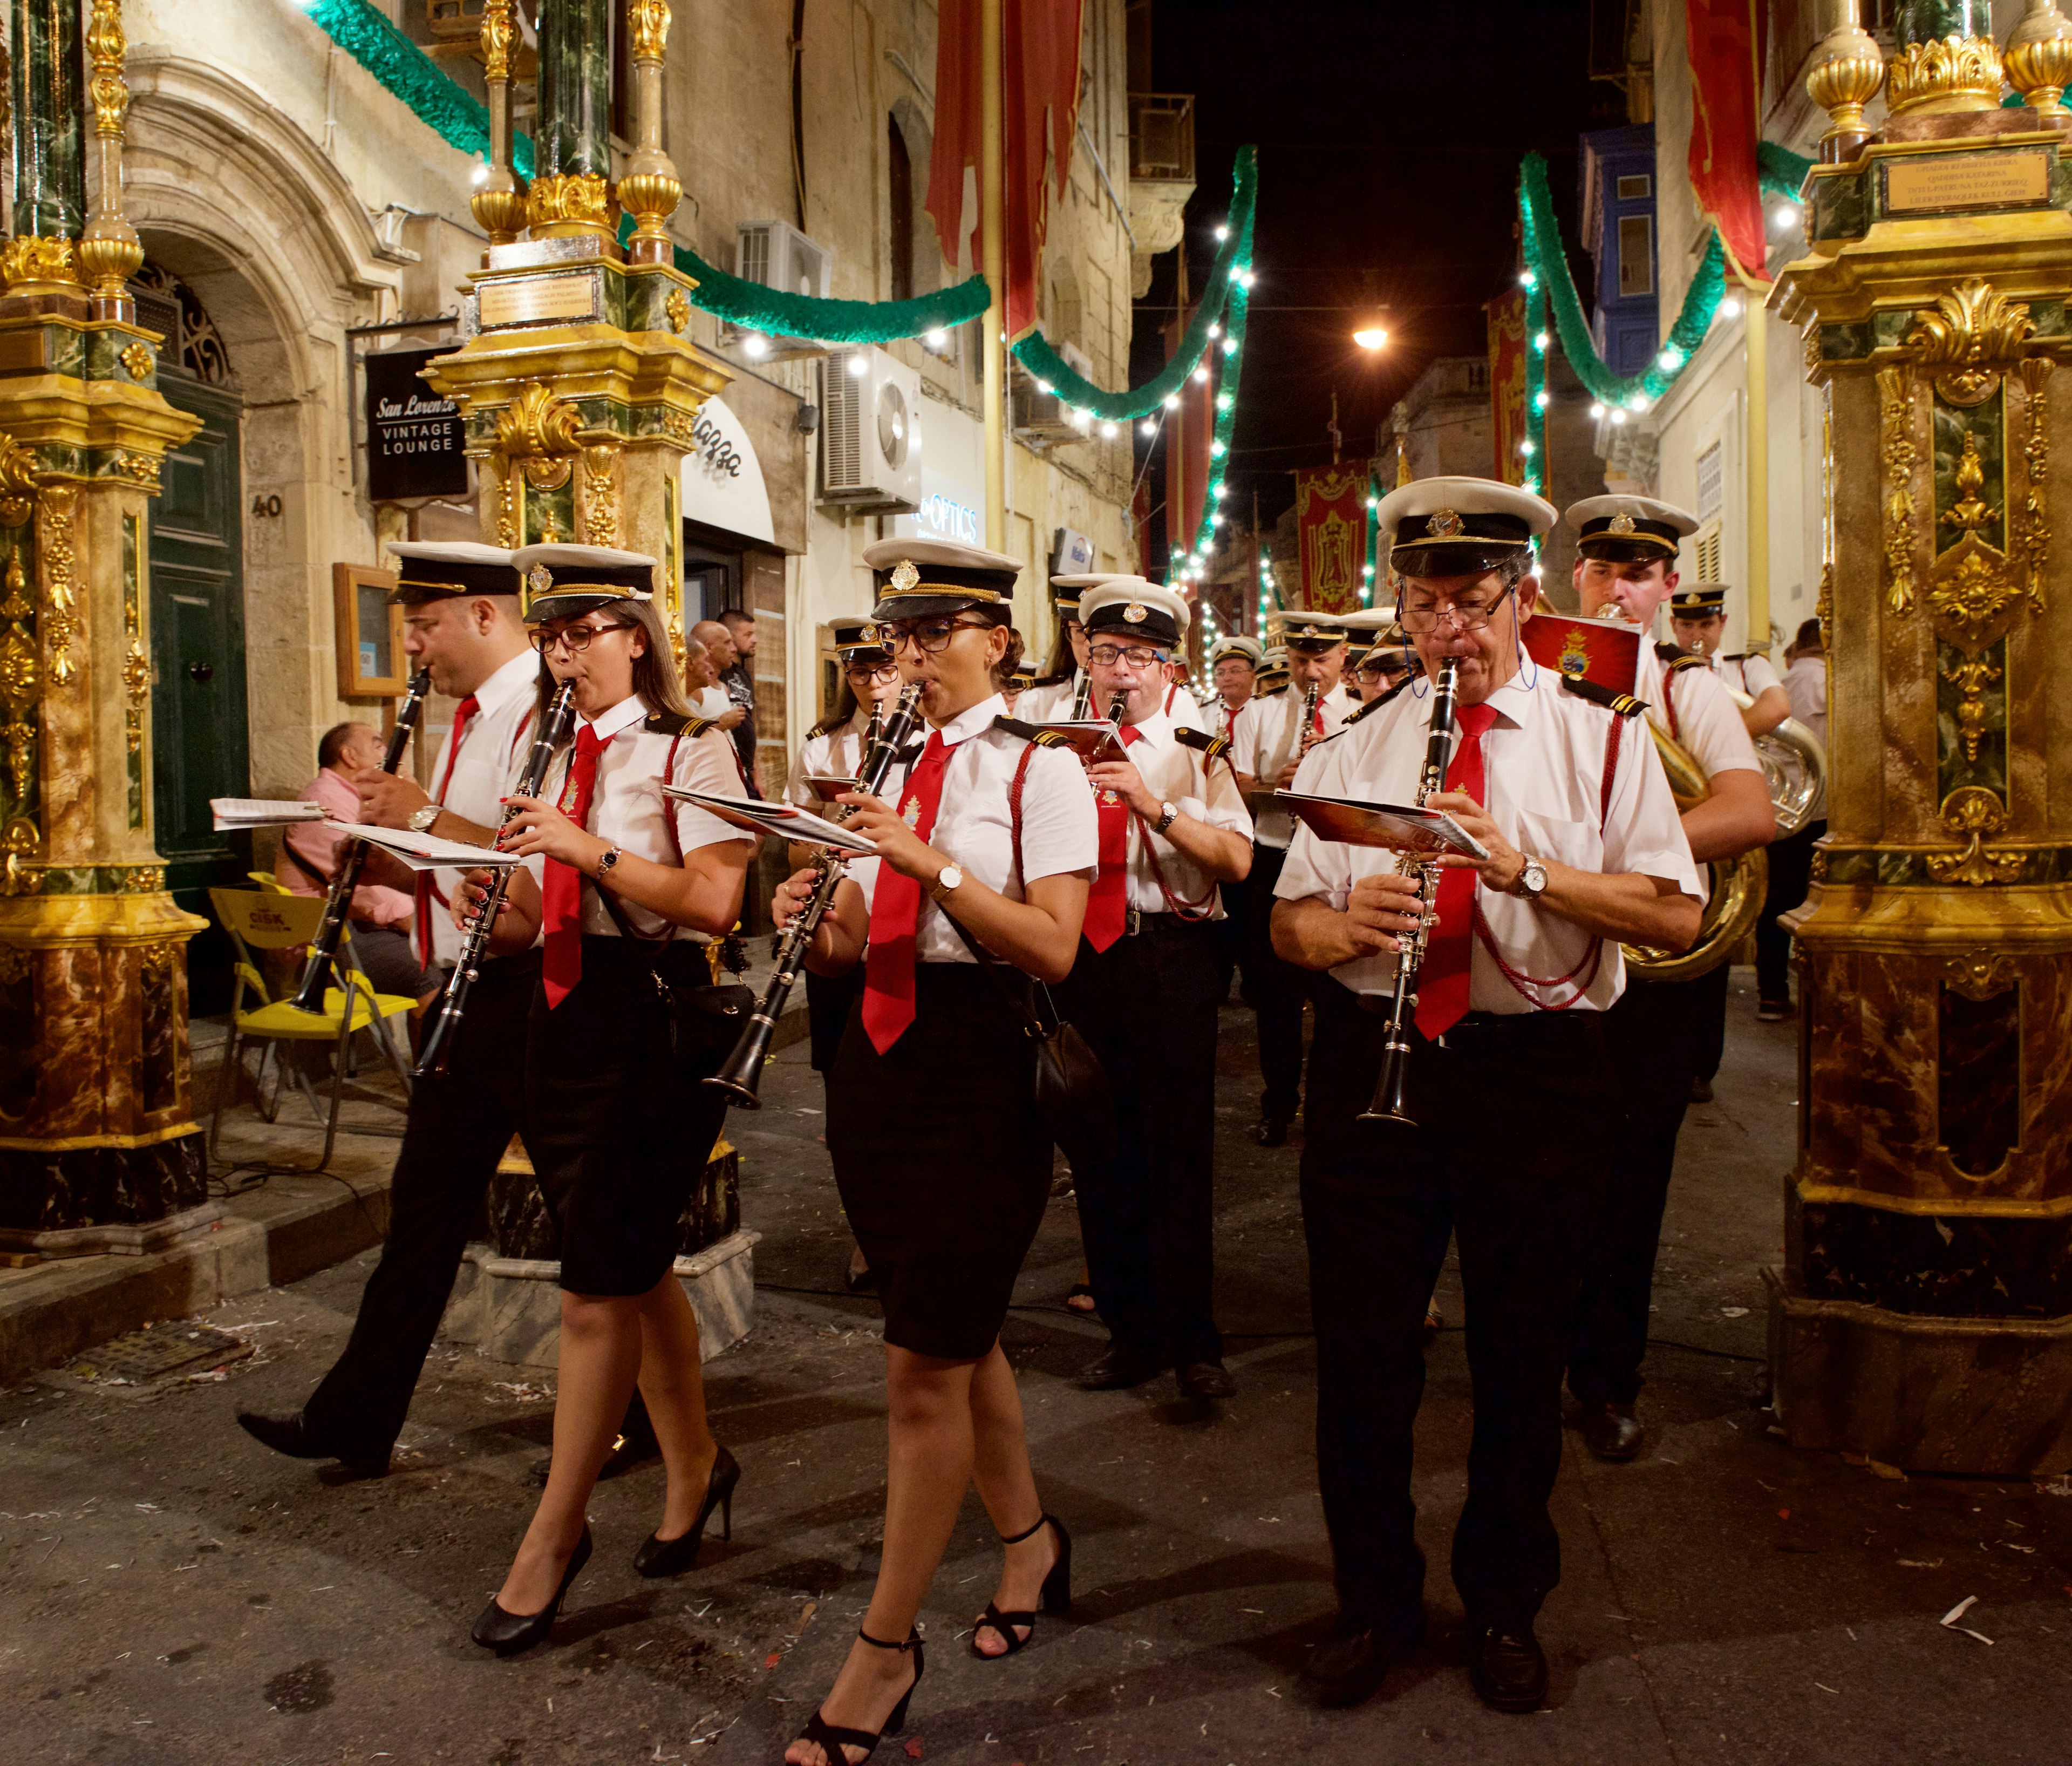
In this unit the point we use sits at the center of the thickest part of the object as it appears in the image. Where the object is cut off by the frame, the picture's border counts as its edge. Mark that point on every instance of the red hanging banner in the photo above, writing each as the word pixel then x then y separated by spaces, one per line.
pixel 1330 527
pixel 1724 39
pixel 1507 359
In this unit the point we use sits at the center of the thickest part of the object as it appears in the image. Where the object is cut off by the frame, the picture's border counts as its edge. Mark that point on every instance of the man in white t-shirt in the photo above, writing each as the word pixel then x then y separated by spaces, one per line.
pixel 1625 565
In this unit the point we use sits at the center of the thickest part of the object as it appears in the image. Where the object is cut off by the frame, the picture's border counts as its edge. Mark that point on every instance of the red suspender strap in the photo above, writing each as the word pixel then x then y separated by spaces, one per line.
pixel 1014 808
pixel 669 809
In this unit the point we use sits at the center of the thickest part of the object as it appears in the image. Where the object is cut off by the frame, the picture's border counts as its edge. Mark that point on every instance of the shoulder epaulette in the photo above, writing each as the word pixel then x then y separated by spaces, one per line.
pixel 827 726
pixel 1211 746
pixel 1621 705
pixel 1674 658
pixel 1739 656
pixel 1270 692
pixel 1029 732
pixel 675 723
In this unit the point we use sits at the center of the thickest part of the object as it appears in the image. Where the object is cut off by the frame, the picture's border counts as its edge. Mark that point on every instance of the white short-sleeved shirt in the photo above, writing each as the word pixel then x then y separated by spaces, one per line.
pixel 1700 716
pixel 1049 704
pixel 628 808
pixel 1060 833
pixel 839 754
pixel 1182 708
pixel 1223 718
pixel 1195 785
pixel 1751 674
pixel 1268 733
pixel 492 755
pixel 1544 764
pixel 1806 686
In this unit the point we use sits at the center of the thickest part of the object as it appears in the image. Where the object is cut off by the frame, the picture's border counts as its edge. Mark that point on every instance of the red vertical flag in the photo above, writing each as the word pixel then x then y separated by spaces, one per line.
pixel 1724 40
pixel 1506 354
pixel 1040 106
pixel 1330 533
pixel 1191 430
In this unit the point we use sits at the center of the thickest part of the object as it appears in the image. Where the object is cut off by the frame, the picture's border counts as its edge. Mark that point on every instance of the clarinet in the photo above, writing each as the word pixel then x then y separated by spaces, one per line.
pixel 1388 1104
pixel 317 968
pixel 743 1072
pixel 432 1057
pixel 1306 737
pixel 1082 701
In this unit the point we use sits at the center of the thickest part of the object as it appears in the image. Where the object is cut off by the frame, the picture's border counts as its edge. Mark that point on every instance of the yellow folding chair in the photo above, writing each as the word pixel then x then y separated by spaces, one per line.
pixel 258 919
pixel 269 883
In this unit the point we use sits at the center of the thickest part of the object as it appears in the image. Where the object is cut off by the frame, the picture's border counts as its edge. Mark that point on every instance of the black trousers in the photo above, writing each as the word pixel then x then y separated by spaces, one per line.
pixel 1512 1114
pixel 1708 1021
pixel 1278 992
pixel 460 1122
pixel 1654 1037
pixel 1147 1006
pixel 1233 939
pixel 1790 875
pixel 828 1000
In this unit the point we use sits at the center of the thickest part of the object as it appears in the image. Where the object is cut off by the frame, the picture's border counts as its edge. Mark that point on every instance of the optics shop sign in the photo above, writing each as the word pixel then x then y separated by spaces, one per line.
pixel 415 446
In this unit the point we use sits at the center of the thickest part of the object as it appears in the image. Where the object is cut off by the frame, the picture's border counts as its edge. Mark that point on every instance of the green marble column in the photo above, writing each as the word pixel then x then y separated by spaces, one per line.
pixel 570 192
pixel 50 120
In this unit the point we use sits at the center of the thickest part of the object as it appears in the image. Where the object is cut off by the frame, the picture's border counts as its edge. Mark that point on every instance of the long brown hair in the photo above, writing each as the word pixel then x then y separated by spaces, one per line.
pixel 655 682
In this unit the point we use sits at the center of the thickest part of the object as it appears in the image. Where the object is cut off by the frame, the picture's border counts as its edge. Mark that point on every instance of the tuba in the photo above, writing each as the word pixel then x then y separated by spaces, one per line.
pixel 1738 884
pixel 1795 765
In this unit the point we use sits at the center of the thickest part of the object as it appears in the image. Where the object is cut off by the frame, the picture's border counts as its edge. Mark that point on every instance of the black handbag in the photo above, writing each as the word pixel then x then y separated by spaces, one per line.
pixel 706 1017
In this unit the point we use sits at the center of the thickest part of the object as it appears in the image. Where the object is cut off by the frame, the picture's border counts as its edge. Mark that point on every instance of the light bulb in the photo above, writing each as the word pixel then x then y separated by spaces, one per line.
pixel 1539 399
pixel 481 172
pixel 1216 330
pixel 1147 427
pixel 1525 446
pixel 1617 418
pixel 1172 401
pixel 755 345
pixel 935 337
pixel 1223 401
pixel 1539 339
pixel 859 365
pixel 1201 374
pixel 1526 279
pixel 1731 307
pixel 1371 337
pixel 1230 346
pixel 1223 232
pixel 1597 412
pixel 1108 432
pixel 1672 358
pixel 1787 214
pixel 1045 388
pixel 1217 449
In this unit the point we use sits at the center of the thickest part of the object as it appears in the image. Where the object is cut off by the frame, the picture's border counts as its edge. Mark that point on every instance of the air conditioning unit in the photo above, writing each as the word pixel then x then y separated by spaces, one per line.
pixel 775 255
pixel 870 431
pixel 1040 412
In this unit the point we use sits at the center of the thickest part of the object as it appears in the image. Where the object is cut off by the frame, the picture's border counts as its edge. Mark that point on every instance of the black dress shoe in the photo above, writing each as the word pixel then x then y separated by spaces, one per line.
pixel 1349 1665
pixel 1271 1130
pixel 1508 1668
pixel 1119 1369
pixel 1204 1379
pixel 1612 1431
pixel 660 1557
pixel 294 1437
pixel 507 1633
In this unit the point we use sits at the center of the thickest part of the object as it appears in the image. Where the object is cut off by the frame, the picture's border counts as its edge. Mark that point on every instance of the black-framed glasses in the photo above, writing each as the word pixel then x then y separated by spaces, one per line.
pixel 865 673
pixel 574 639
pixel 1470 613
pixel 1108 656
pixel 929 636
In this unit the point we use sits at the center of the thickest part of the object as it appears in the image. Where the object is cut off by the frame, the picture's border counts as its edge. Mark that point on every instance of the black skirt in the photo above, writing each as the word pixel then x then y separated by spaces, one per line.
pixel 943 1170
pixel 617 1130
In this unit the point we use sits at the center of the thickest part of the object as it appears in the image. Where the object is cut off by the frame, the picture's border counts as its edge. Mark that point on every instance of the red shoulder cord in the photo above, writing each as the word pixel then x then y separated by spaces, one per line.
pixel 1586 971
pixel 1182 908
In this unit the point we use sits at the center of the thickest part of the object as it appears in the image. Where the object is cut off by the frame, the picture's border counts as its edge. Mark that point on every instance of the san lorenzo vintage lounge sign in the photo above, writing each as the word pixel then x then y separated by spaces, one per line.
pixel 415 440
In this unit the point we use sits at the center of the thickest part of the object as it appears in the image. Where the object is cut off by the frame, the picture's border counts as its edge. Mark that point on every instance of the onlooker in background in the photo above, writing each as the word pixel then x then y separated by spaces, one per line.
pixel 309 855
pixel 739 681
pixel 718 641
pixel 701 687
pixel 1791 860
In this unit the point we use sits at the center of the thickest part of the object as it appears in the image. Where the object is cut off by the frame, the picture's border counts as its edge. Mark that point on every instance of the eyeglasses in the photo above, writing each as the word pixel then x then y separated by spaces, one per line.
pixel 574 639
pixel 931 636
pixel 1108 656
pixel 1470 613
pixel 864 674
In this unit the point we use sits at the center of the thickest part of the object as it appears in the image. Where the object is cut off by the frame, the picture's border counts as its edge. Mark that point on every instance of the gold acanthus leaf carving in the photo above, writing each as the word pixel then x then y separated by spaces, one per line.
pixel 105 48
pixel 677 309
pixel 18 876
pixel 29 258
pixel 579 197
pixel 1980 975
pixel 17 606
pixel 60 615
pixel 1973 334
pixel 1896 426
pixel 537 424
pixel 1971 814
pixel 499 33
pixel 1971 677
pixel 1952 73
pixel 1971 588
pixel 600 496
pixel 647 30
pixel 1970 513
pixel 2032 539
pixel 18 482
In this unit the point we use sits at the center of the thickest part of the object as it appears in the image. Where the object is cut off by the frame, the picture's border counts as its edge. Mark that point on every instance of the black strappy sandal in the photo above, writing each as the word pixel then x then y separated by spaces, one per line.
pixel 832 1739
pixel 1055 1598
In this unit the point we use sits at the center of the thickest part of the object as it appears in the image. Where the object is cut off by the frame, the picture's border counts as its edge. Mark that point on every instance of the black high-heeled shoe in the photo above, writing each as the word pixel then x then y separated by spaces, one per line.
pixel 1056 1597
pixel 832 1738
pixel 660 1557
pixel 507 1633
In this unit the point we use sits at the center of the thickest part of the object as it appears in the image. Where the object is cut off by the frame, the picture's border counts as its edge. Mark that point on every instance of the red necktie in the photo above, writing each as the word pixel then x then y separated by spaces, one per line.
pixel 1317 716
pixel 1109 900
pixel 895 909
pixel 1442 985
pixel 561 893
pixel 467 708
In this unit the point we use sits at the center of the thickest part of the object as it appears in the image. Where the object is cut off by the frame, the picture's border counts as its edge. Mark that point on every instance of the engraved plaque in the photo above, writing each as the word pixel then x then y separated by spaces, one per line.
pixel 540 300
pixel 1936 183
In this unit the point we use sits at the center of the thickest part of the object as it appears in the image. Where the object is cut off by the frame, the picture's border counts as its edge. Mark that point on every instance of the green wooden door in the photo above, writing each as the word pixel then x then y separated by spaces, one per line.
pixel 198 717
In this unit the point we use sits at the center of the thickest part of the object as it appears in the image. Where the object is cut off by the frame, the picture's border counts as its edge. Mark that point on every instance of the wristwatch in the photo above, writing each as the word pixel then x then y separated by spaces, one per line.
pixel 1532 883
pixel 605 861
pixel 948 879
pixel 1168 814
pixel 422 820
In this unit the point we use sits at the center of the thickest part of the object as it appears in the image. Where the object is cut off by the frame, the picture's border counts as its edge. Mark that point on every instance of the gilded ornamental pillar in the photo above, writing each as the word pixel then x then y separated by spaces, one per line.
pixel 98 1146
pixel 1924 1314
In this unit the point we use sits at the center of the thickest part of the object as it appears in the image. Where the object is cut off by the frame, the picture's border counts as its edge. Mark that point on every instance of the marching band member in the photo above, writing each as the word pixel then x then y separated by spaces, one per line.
pixel 461 620
pixel 1267 745
pixel 1385 664
pixel 1144 993
pixel 1626 565
pixel 944 1168
pixel 617 1136
pixel 1060 686
pixel 1581 855
pixel 1271 678
pixel 1234 665
pixel 1698 616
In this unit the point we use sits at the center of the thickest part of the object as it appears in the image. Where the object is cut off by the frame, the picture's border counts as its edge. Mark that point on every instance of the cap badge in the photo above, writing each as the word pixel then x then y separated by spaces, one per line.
pixel 904 574
pixel 1136 613
pixel 539 579
pixel 1443 523
pixel 1621 523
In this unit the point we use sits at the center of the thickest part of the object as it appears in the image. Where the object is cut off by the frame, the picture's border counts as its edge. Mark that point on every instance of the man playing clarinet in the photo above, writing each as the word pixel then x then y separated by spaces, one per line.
pixel 1506 1094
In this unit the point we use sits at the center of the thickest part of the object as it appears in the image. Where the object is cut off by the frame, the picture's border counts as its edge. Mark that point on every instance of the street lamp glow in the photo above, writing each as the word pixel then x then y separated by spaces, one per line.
pixel 755 346
pixel 935 338
pixel 1371 337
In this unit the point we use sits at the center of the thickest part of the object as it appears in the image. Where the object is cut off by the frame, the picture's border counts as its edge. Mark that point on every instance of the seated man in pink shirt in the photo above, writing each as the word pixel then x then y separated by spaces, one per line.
pixel 383 918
